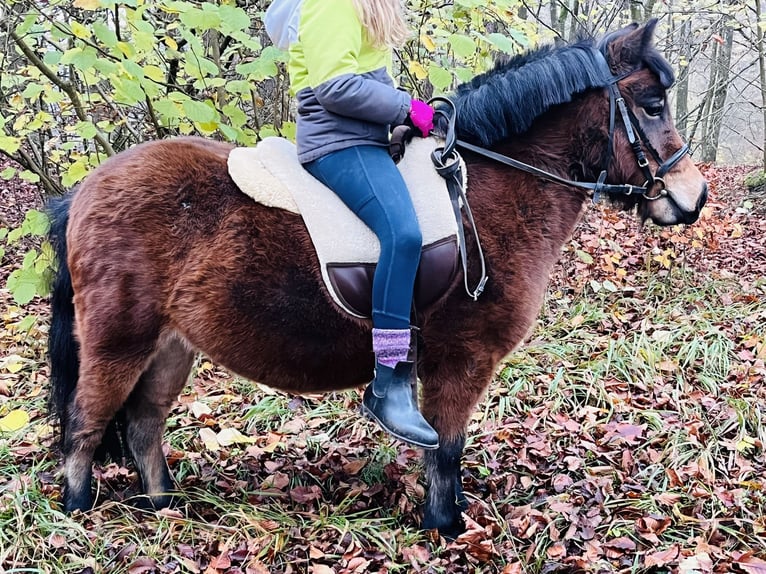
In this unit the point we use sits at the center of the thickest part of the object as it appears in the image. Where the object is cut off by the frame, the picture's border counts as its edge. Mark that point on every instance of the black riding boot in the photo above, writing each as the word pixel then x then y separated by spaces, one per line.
pixel 391 400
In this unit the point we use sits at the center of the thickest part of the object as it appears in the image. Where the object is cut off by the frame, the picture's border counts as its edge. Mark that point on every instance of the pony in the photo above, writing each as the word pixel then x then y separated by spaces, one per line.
pixel 161 256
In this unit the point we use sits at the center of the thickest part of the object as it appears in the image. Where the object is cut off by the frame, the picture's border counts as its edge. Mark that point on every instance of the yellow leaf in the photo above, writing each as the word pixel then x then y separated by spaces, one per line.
pixel 14 420
pixel 12 363
pixel 170 43
pixel 418 70
pixel 154 73
pixel 231 436
pixel 428 42
pixel 207 128
pixel 87 4
pixel 209 439
pixel 79 30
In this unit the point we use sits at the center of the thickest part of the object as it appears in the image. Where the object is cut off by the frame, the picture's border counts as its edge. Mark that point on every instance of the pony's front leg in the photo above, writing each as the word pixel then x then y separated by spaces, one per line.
pixel 445 500
pixel 451 389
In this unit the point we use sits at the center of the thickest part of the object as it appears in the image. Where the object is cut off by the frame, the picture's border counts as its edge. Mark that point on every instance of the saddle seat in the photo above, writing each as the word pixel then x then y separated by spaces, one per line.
pixel 347 249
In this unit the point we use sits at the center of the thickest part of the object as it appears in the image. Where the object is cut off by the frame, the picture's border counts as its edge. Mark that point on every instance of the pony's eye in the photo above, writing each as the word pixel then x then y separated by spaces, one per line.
pixel 654 109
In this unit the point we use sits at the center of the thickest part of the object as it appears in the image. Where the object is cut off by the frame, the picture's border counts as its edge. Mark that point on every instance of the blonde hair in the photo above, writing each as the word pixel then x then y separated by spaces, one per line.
pixel 384 22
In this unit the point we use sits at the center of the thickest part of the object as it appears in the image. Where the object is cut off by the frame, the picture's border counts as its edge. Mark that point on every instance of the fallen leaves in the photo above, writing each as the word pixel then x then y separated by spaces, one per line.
pixel 650 465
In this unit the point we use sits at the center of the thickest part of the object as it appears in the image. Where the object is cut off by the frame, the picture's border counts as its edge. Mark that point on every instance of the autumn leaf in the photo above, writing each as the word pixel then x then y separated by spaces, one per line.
pixel 697 564
pixel 14 420
pixel 230 436
pixel 751 564
pixel 209 439
pixel 663 557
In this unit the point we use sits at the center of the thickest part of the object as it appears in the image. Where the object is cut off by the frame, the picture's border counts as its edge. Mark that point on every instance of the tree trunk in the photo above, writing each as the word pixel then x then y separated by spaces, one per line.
pixel 682 85
pixel 720 72
pixel 761 51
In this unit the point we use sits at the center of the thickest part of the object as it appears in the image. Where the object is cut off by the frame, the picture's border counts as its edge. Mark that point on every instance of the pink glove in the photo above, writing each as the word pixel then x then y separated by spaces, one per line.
pixel 422 117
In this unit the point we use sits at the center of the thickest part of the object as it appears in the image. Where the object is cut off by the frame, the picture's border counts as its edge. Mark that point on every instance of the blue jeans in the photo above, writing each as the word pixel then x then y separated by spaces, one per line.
pixel 369 183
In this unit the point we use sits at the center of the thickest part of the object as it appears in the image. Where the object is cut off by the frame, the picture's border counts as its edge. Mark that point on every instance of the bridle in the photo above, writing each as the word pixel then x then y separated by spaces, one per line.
pixel 447 163
pixel 636 137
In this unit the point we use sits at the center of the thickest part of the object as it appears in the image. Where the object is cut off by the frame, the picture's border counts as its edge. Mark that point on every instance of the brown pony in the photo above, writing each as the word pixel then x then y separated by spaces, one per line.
pixel 161 256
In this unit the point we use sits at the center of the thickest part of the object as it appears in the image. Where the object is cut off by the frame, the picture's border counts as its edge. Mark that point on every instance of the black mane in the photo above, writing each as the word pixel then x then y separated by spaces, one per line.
pixel 506 100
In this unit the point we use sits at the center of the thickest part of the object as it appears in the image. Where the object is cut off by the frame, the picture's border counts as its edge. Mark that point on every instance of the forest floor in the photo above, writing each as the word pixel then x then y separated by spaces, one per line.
pixel 627 435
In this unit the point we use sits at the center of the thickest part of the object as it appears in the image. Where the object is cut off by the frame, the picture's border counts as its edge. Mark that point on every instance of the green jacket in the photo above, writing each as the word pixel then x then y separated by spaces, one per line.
pixel 345 93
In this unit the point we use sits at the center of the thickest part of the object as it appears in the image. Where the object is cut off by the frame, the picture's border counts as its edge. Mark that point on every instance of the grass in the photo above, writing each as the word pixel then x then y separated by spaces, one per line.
pixel 545 461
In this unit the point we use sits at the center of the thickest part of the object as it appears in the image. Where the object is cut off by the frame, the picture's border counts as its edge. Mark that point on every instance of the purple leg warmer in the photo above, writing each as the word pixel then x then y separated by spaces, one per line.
pixel 390 346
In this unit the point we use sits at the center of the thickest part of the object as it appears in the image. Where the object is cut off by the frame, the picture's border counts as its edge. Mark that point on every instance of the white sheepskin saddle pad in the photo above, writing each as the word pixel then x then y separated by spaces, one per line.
pixel 272 175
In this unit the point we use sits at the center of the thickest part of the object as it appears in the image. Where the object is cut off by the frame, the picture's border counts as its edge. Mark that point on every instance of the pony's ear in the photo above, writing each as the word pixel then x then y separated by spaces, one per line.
pixel 629 48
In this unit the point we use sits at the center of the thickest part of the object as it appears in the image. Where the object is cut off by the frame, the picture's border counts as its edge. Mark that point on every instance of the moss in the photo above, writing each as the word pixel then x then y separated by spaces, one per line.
pixel 755 179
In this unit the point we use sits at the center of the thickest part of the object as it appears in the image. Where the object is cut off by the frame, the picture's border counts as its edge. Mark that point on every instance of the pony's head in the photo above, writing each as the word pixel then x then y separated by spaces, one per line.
pixel 589 108
pixel 677 189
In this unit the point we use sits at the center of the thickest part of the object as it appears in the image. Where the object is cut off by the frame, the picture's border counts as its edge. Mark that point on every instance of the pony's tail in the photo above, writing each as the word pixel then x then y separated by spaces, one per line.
pixel 63 349
pixel 62 345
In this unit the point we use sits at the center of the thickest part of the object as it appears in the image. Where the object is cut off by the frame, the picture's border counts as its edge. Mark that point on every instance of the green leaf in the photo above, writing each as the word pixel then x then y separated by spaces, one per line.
pixel 76 172
pixel 127 91
pixel 52 58
pixel 133 69
pixel 105 34
pixel 259 69
pixel 502 43
pixel 26 323
pixel 29 176
pixel 8 173
pixel 233 19
pixel 9 144
pixel 32 91
pixel 80 57
pixel 201 20
pixel 464 74
pixel 236 116
pixel 463 46
pixel 168 109
pixel 22 283
pixel 86 129
pixel 230 133
pixel 241 87
pixel 200 112
pixel 26 24
pixel 35 223
pixel 106 67
pixel 440 78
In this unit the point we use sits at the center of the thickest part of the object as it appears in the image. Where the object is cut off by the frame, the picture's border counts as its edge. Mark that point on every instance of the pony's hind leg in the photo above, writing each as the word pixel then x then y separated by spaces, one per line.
pixel 146 411
pixel 102 389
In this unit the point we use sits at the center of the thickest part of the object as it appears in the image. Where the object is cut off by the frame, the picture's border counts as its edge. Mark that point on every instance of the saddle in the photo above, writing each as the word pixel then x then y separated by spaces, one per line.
pixel 347 249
